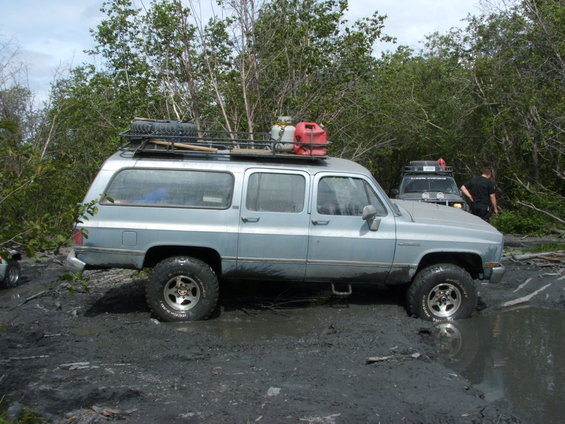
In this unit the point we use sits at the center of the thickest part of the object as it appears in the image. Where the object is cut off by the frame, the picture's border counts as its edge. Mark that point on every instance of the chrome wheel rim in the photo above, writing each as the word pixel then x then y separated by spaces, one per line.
pixel 13 275
pixel 181 293
pixel 444 300
pixel 449 339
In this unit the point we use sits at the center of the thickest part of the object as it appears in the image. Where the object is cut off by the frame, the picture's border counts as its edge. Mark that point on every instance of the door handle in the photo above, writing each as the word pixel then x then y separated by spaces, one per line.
pixel 248 219
pixel 317 222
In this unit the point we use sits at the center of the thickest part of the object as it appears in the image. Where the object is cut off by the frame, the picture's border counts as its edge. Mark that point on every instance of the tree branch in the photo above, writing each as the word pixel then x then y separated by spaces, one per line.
pixel 531 206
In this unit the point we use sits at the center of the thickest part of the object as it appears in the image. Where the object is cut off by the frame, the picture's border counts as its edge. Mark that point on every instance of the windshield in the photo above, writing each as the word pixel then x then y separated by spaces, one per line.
pixel 421 184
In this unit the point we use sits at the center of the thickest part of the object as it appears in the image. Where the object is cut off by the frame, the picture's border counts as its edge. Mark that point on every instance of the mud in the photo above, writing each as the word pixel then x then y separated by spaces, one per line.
pixel 272 353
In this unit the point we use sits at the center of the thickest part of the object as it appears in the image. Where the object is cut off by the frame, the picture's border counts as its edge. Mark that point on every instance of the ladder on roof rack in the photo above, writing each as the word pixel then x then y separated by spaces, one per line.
pixel 172 137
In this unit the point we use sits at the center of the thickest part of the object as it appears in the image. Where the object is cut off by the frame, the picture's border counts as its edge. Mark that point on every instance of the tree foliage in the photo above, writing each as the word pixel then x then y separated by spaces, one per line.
pixel 490 93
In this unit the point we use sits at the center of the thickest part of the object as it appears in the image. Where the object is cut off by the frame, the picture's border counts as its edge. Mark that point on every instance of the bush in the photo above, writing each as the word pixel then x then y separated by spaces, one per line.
pixel 522 221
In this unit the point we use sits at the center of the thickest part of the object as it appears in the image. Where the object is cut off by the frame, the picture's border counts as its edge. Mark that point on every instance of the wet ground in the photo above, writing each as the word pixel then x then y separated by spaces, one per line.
pixel 282 353
pixel 515 357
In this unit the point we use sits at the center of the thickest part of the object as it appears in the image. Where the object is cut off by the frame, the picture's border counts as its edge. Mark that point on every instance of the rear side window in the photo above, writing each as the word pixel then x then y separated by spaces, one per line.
pixel 178 188
pixel 273 192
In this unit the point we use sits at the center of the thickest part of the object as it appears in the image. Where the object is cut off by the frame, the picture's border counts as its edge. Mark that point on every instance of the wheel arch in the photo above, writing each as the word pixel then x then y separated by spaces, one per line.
pixel 13 256
pixel 158 253
pixel 470 262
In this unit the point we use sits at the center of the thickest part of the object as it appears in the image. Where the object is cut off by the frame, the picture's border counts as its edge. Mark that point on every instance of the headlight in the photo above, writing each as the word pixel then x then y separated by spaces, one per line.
pixel 458 205
pixel 440 195
pixel 425 195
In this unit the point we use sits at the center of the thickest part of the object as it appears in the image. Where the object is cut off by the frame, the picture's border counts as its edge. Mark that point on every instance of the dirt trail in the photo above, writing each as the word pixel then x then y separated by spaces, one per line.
pixel 271 354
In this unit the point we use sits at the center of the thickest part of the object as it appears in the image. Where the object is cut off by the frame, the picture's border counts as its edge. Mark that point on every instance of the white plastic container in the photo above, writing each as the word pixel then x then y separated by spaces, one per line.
pixel 283 132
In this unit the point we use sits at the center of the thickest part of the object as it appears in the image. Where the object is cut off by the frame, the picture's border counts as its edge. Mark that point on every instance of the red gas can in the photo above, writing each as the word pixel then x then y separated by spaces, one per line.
pixel 310 139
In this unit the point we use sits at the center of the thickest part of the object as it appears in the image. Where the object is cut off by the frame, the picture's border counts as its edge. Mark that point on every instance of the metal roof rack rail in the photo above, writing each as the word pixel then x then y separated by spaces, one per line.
pixel 179 138
pixel 427 169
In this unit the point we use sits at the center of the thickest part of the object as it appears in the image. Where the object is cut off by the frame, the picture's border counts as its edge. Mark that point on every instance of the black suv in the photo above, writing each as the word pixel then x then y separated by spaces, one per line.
pixel 431 182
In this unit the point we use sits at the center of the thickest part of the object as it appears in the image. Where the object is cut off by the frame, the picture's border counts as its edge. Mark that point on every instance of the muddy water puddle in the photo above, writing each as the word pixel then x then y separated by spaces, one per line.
pixel 292 323
pixel 516 358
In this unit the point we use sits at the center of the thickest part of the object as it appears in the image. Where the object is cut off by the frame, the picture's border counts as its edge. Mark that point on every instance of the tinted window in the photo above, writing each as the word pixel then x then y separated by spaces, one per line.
pixel 198 189
pixel 421 184
pixel 270 192
pixel 346 196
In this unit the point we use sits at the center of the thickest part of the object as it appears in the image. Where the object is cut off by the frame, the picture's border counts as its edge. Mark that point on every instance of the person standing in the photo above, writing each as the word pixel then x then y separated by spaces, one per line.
pixel 480 191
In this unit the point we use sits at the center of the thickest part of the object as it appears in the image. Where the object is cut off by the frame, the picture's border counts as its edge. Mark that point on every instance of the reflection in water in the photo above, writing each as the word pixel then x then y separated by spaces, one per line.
pixel 516 358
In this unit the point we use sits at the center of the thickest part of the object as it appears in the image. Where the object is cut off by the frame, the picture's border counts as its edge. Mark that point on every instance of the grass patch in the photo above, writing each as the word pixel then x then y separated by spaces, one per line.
pixel 28 415
pixel 548 247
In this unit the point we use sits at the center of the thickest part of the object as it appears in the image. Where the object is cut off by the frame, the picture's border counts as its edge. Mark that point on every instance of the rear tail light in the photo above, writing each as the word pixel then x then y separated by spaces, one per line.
pixel 77 237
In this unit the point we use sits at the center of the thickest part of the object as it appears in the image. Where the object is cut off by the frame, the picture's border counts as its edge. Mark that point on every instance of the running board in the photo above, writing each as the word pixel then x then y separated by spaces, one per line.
pixel 337 292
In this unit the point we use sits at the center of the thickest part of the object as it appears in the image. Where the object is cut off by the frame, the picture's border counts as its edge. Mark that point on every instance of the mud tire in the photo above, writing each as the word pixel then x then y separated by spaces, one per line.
pixel 13 274
pixel 182 289
pixel 442 292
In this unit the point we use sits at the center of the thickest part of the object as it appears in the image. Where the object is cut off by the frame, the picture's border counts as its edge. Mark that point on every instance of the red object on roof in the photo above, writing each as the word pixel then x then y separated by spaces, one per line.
pixel 442 163
pixel 310 139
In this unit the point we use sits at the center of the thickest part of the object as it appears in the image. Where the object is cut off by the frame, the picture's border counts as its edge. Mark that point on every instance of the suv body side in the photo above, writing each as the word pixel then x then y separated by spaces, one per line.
pixel 246 242
pixel 278 220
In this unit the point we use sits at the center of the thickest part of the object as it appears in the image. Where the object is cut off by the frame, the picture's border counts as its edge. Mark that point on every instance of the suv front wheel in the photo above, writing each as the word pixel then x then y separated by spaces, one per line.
pixel 442 292
pixel 182 289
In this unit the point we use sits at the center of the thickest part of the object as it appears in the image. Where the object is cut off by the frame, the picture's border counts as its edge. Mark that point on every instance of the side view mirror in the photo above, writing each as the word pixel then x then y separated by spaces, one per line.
pixel 369 214
pixel 394 192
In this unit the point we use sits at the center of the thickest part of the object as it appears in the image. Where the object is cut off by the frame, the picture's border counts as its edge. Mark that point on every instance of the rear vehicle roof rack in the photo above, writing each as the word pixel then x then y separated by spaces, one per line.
pixel 427 167
pixel 154 137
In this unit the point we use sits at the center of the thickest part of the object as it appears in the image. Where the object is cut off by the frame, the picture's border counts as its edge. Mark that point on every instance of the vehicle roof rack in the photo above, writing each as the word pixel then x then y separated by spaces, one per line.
pixel 178 138
pixel 427 167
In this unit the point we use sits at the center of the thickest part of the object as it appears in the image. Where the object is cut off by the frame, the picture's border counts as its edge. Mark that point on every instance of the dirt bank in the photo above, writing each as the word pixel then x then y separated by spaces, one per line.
pixel 273 354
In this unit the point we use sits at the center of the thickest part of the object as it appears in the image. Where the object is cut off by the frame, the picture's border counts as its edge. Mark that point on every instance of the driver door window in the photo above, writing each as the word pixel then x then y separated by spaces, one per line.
pixel 346 196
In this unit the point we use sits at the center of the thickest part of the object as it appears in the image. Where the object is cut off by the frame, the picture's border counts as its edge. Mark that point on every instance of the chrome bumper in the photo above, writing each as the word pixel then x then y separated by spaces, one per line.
pixel 497 274
pixel 73 264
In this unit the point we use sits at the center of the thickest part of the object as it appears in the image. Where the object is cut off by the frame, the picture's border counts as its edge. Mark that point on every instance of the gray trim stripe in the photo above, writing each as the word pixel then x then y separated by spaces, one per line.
pixel 88 249
pixel 273 260
pixel 318 262
pixel 348 263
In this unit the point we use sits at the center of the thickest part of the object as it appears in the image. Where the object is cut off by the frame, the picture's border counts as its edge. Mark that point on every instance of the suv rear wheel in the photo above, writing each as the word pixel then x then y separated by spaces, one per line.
pixel 442 292
pixel 182 289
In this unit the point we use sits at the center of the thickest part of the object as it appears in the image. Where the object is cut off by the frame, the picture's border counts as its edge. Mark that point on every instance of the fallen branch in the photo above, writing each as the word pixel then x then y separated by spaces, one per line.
pixel 111 413
pixel 521 286
pixel 548 256
pixel 531 206
pixel 27 358
pixel 35 296
pixel 374 359
pixel 78 366
pixel 524 298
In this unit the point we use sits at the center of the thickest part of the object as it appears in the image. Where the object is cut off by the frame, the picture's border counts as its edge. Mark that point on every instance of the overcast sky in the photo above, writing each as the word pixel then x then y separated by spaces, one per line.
pixel 52 35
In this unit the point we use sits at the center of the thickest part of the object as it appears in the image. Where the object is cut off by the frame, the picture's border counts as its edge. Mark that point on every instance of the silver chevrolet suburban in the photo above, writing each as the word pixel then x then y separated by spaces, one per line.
pixel 197 214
